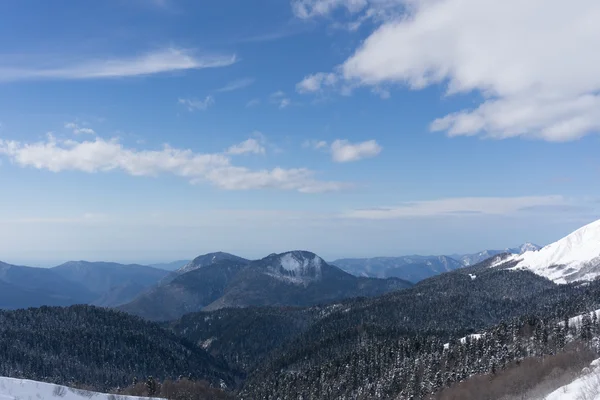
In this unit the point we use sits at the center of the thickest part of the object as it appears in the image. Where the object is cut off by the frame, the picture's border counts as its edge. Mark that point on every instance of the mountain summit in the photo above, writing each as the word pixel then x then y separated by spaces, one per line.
pixel 575 257
pixel 209 259
pixel 298 267
pixel 525 247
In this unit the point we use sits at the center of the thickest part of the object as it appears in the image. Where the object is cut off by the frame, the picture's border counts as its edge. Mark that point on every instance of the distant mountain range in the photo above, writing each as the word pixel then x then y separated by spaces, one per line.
pixel 218 280
pixel 76 282
pixel 411 268
pixel 291 324
pixel 476 258
pixel 110 284
pixel 297 278
pixel 416 268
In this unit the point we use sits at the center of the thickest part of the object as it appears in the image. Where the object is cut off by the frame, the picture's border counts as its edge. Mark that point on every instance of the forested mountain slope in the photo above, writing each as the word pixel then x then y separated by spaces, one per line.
pixel 356 356
pixel 98 347
pixel 188 292
pixel 449 304
pixel 245 336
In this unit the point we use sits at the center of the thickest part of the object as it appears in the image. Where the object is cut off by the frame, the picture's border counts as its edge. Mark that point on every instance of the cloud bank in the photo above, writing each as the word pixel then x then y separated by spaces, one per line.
pixel 538 77
pixel 100 155
pixel 460 207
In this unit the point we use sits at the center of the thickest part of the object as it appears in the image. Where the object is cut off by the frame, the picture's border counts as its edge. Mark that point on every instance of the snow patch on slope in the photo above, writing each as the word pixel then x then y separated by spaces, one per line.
pixel 463 340
pixel 576 321
pixel 296 267
pixel 576 257
pixel 290 262
pixel 23 389
pixel 585 387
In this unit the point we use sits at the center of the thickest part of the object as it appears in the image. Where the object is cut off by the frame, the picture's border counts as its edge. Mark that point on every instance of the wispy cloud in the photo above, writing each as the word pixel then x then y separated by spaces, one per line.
pixel 100 155
pixel 343 151
pixel 306 9
pixel 155 62
pixel 357 12
pixel 280 99
pixel 315 144
pixel 236 85
pixel 86 218
pixel 284 103
pixel 253 103
pixel 291 29
pixel 78 129
pixel 316 82
pixel 197 105
pixel 460 207
pixel 247 146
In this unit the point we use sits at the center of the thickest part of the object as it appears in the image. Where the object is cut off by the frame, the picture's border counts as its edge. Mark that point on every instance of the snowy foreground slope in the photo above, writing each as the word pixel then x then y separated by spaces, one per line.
pixel 573 258
pixel 22 389
pixel 586 387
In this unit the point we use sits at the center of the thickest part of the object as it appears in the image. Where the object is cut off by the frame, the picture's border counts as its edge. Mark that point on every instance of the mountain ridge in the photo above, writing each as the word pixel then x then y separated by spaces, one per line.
pixel 574 258
pixel 111 283
pixel 208 259
pixel 412 268
pixel 469 259
pixel 294 278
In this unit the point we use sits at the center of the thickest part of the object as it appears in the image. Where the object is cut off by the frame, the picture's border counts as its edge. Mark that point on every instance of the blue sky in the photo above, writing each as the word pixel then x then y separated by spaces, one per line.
pixel 152 130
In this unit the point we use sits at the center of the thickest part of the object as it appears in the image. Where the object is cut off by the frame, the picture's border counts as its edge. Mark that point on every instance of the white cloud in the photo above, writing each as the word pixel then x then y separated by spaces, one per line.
pixel 78 129
pixel 194 105
pixel 344 151
pixel 284 103
pixel 459 207
pixel 314 83
pixel 299 179
pixel 237 84
pixel 102 155
pixel 528 69
pixel 555 120
pixel 247 146
pixel 160 61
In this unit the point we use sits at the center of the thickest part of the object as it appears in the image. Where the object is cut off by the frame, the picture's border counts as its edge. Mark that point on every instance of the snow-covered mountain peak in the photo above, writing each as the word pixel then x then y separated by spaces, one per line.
pixel 575 257
pixel 527 247
pixel 298 261
pixel 298 267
